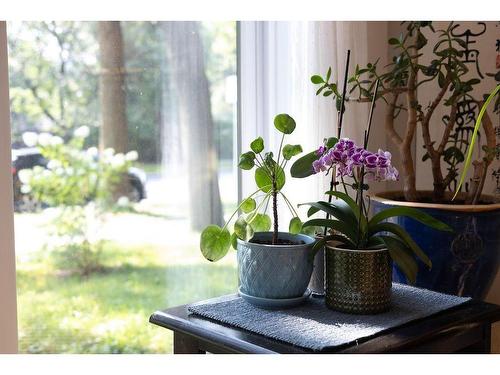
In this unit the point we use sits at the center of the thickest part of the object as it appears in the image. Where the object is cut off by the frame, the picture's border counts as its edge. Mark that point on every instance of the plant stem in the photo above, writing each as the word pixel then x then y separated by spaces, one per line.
pixel 275 211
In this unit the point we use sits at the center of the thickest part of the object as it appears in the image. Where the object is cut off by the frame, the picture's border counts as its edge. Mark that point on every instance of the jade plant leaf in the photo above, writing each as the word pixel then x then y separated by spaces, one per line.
pixel 248 205
pixel 263 179
pixel 260 223
pixel 257 145
pixel 215 242
pixel 284 123
pixel 289 151
pixel 295 226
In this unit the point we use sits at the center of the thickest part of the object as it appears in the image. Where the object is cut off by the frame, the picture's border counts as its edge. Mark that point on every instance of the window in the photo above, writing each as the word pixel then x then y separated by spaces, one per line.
pixel 112 123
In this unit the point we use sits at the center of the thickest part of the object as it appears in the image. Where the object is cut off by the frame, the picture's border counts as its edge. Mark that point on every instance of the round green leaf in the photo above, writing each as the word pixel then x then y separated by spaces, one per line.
pixel 264 182
pixel 261 223
pixel 257 145
pixel 295 225
pixel 248 205
pixel 289 151
pixel 214 242
pixel 247 160
pixel 310 231
pixel 242 229
pixel 317 79
pixel 284 123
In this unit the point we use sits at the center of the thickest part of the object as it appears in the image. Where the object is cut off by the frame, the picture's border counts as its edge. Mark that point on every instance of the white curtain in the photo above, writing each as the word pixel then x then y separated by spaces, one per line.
pixel 277 61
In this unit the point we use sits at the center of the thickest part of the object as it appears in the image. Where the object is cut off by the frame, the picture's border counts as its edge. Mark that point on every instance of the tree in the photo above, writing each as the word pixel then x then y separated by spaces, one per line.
pixel 189 82
pixel 52 77
pixel 114 132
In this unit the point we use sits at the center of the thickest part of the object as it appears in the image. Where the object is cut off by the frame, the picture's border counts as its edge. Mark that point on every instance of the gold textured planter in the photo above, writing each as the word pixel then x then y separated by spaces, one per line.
pixel 358 281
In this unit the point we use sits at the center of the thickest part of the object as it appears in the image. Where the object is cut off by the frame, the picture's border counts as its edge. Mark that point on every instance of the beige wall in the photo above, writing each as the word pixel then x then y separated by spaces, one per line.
pixel 8 311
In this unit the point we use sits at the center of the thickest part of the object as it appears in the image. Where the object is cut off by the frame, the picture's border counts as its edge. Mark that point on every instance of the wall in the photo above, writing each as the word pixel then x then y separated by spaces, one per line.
pixel 8 311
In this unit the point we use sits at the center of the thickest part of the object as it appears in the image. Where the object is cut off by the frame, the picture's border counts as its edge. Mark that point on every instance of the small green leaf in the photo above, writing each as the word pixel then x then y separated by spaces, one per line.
pixel 248 205
pixel 393 41
pixel 289 151
pixel 284 123
pixel 264 182
pixel 214 242
pixel 261 223
pixel 295 225
pixel 257 145
pixel 328 74
pixel 234 241
pixel 247 160
pixel 242 229
pixel 316 79
pixel 310 231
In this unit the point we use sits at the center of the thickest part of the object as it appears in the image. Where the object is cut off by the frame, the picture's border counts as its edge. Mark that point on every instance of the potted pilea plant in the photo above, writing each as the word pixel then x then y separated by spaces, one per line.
pixel 466 260
pixel 274 267
pixel 358 249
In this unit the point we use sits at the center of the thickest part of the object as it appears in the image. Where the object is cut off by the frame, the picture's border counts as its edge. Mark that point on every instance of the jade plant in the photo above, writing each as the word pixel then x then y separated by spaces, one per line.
pixel 443 70
pixel 269 172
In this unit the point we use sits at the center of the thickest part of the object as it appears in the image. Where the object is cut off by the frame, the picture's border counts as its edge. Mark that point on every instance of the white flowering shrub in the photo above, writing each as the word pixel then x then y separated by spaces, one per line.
pixel 78 185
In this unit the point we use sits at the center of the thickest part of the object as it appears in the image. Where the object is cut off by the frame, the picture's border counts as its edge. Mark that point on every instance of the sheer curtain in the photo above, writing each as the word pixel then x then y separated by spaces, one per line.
pixel 277 61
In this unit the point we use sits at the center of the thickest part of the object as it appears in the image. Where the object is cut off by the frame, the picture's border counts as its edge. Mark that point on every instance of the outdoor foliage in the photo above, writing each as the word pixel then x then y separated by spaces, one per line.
pixel 78 185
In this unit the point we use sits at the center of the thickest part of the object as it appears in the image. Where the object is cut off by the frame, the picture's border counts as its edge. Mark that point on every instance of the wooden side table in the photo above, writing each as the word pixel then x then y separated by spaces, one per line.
pixel 463 329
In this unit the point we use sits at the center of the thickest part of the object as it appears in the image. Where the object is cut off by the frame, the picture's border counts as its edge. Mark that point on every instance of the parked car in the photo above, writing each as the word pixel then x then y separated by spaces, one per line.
pixel 29 157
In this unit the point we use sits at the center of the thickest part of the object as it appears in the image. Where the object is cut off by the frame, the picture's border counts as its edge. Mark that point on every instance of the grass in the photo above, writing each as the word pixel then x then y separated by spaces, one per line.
pixel 108 312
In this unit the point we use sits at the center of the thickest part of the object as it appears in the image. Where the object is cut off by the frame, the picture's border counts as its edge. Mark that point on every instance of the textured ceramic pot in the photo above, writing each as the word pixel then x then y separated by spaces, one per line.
pixel 275 271
pixel 358 281
pixel 465 261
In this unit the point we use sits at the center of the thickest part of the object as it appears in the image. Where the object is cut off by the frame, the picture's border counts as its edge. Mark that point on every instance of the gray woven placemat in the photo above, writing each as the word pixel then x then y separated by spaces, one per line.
pixel 314 326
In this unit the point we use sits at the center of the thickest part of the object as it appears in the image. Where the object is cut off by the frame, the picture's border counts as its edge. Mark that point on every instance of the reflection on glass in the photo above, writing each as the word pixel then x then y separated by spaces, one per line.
pixel 123 143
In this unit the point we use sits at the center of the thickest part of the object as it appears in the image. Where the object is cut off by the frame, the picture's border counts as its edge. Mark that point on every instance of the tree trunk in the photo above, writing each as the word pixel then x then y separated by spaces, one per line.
pixel 112 85
pixel 191 88
pixel 114 130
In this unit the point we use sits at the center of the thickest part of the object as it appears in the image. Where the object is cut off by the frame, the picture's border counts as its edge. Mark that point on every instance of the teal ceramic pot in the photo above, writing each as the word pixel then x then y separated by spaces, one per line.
pixel 275 271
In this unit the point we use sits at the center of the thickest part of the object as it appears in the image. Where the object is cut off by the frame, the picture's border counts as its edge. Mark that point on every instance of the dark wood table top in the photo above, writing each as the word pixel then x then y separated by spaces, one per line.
pixel 452 330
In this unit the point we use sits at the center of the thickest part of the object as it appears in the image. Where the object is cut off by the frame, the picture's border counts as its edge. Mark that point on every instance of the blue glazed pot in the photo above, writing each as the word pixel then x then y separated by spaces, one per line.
pixel 464 262
pixel 275 271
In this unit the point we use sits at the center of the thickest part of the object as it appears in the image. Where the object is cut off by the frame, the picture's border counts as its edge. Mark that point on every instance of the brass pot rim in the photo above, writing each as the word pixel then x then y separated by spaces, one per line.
pixel 329 245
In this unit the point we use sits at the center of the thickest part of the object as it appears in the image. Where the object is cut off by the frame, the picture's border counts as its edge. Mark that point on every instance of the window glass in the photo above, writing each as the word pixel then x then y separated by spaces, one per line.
pixel 123 149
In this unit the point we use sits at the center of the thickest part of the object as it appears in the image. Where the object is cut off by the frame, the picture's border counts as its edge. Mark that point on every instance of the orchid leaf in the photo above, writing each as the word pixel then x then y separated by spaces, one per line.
pixel 413 213
pixel 403 257
pixel 404 236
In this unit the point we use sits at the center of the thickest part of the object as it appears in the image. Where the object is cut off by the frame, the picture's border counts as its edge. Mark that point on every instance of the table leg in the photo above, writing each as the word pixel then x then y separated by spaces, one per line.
pixel 186 344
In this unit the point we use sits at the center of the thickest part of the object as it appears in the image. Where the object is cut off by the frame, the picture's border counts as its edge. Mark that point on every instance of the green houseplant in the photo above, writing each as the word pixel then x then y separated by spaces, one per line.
pixel 272 265
pixel 464 262
pixel 359 249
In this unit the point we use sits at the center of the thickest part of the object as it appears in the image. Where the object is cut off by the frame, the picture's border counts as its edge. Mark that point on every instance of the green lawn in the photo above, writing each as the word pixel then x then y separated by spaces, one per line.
pixel 108 312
